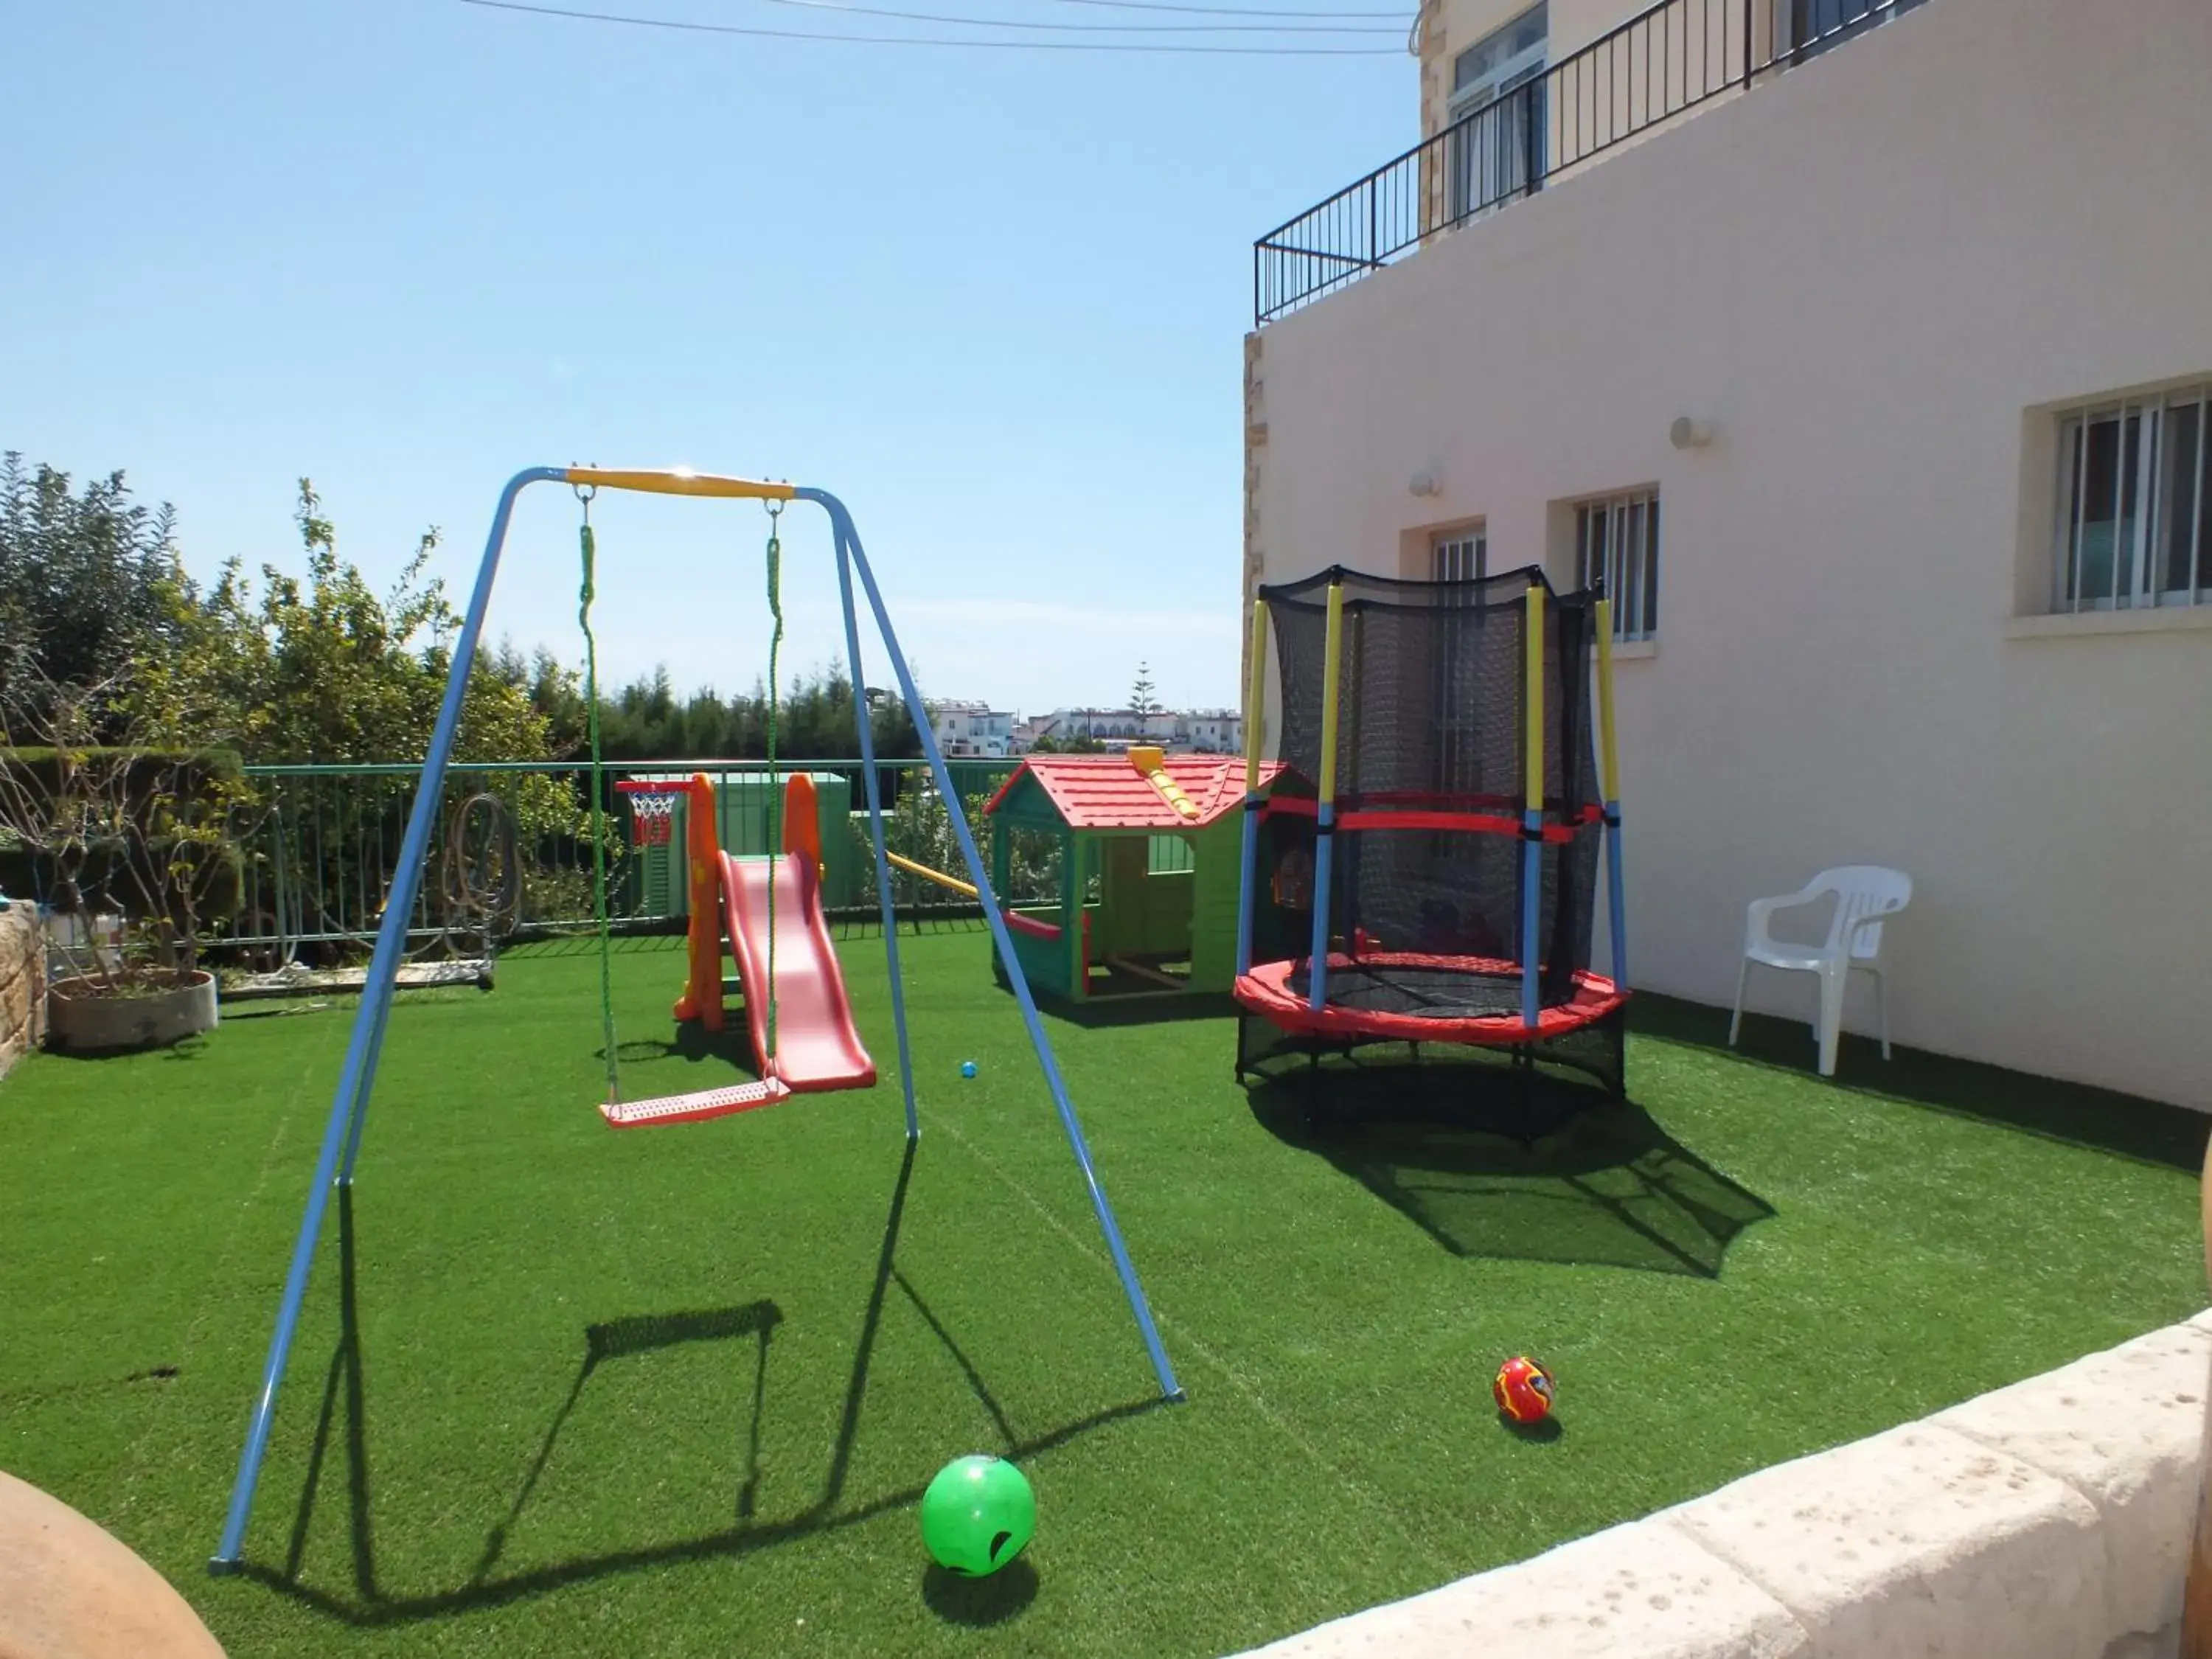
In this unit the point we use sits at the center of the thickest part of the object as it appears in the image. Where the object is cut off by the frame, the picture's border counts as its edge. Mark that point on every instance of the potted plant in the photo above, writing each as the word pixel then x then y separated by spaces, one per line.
pixel 135 847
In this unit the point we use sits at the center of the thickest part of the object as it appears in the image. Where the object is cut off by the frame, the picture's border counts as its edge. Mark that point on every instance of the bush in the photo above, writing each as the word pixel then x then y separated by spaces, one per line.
pixel 138 848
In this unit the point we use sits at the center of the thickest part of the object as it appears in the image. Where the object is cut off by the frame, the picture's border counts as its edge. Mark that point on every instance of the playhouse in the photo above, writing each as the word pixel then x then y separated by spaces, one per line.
pixel 1138 855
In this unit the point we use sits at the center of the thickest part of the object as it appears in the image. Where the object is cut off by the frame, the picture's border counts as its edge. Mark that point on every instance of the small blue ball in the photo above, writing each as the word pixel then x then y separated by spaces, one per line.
pixel 966 1068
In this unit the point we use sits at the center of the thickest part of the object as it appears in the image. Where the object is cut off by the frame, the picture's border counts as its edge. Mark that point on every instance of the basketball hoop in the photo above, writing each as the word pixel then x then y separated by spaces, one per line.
pixel 653 809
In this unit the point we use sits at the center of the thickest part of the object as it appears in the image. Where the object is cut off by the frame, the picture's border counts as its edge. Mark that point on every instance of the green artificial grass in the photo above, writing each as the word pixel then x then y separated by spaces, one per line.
pixel 562 1390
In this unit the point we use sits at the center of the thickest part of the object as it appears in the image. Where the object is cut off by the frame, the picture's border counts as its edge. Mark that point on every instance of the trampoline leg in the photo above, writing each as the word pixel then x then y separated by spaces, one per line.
pixel 1524 1063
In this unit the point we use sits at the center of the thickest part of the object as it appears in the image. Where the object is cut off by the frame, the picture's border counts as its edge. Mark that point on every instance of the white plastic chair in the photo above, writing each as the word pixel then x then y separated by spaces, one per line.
pixel 1866 896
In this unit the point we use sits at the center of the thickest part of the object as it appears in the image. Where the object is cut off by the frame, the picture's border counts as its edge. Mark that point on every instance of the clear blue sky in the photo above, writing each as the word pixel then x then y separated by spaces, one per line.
pixel 994 300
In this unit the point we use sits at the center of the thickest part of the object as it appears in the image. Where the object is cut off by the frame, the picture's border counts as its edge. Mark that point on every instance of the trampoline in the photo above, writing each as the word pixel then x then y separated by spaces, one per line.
pixel 1427 872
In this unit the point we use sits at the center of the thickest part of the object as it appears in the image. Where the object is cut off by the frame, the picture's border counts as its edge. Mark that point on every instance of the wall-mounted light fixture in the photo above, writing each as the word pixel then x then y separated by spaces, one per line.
pixel 1686 434
pixel 1425 483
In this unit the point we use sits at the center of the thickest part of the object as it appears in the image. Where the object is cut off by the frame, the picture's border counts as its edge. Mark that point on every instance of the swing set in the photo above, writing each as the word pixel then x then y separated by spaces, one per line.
pixel 760 898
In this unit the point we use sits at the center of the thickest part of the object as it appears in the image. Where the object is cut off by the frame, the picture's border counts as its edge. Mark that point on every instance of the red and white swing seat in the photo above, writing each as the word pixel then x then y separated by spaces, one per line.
pixel 699 1105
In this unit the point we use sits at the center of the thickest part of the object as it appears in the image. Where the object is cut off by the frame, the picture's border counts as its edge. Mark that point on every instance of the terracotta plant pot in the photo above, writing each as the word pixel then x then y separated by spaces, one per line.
pixel 83 1017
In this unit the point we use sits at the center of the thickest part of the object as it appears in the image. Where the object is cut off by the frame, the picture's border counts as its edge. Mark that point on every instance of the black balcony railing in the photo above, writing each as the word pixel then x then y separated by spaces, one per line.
pixel 1659 64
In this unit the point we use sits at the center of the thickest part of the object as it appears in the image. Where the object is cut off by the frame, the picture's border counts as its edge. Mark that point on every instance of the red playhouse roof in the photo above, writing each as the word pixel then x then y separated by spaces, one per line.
pixel 1106 791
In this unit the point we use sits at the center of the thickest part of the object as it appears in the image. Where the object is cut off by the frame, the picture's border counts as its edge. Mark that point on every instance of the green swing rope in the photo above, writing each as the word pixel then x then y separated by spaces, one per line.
pixel 598 820
pixel 775 795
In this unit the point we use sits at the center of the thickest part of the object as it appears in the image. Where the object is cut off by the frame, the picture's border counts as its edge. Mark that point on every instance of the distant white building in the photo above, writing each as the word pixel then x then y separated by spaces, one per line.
pixel 1212 731
pixel 1116 725
pixel 971 729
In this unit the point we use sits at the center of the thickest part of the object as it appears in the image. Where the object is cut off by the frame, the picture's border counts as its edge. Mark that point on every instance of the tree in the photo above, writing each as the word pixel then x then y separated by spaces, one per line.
pixel 321 668
pixel 814 720
pixel 148 827
pixel 1082 743
pixel 83 582
pixel 1141 700
pixel 324 669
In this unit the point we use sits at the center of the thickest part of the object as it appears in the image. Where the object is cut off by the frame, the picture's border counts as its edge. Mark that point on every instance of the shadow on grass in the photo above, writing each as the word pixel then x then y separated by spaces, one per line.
pixel 980 1602
pixel 1605 1186
pixel 645 938
pixel 2126 1124
pixel 344 1398
pixel 731 1046
pixel 1542 1432
pixel 621 1338
pixel 1110 1012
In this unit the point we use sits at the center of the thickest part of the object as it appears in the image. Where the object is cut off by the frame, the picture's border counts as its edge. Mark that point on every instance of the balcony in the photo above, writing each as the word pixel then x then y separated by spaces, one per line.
pixel 1651 70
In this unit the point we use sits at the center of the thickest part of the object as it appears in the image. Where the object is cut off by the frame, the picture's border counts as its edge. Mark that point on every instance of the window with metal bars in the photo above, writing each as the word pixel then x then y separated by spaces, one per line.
pixel 1617 543
pixel 1458 556
pixel 2133 520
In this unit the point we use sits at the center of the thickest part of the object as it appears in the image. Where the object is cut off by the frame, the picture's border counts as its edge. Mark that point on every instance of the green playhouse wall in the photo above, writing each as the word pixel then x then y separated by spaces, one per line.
pixel 1046 962
pixel 1139 912
pixel 1220 846
pixel 1142 909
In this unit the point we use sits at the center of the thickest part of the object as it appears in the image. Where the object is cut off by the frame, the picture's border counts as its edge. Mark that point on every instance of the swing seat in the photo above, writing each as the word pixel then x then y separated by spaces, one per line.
pixel 694 1108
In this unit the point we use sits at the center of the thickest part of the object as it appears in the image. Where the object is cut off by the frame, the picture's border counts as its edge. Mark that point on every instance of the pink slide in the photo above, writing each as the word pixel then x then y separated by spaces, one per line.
pixel 816 1046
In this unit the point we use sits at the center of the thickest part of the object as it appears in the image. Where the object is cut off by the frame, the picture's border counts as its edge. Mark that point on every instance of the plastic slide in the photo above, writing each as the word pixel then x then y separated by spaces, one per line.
pixel 816 1046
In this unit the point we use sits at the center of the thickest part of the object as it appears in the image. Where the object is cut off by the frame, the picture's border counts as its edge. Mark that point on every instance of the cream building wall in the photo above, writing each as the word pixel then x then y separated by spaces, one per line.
pixel 1876 277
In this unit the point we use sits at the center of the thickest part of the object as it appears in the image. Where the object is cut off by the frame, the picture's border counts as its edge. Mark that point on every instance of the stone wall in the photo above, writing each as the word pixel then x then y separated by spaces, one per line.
pixel 2049 1520
pixel 23 985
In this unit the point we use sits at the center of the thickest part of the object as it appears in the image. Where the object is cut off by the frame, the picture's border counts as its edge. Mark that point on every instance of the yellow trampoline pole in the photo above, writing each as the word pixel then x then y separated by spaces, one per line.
pixel 1255 715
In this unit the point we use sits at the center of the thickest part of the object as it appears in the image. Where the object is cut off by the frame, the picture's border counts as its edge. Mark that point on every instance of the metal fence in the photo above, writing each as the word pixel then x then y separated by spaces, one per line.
pixel 1659 64
pixel 511 851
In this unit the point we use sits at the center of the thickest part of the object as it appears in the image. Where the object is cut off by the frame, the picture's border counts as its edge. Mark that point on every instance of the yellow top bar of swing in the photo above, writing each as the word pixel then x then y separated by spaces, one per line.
pixel 679 481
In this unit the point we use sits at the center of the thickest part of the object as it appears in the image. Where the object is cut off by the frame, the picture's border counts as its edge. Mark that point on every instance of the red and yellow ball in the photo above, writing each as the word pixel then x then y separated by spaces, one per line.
pixel 1522 1390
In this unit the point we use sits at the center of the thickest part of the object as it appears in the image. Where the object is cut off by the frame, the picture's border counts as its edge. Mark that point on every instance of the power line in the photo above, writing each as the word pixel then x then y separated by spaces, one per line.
pixel 1098 29
pixel 1398 18
pixel 933 40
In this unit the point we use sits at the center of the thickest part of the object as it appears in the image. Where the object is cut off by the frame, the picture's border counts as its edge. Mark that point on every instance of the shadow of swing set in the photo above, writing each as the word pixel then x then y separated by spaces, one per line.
pixel 341 1432
pixel 769 908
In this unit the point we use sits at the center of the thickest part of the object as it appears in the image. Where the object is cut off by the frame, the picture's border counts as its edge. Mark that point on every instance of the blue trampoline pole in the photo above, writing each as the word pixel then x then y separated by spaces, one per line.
pixel 1325 808
pixel 874 788
pixel 1609 789
pixel 349 1104
pixel 849 538
pixel 1532 811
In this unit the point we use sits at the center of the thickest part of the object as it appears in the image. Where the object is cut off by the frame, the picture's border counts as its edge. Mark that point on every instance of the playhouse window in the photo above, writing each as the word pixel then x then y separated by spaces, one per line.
pixel 1033 866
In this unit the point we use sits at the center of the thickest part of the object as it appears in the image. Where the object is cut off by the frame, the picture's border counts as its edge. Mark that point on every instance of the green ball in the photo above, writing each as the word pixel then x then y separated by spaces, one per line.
pixel 978 1515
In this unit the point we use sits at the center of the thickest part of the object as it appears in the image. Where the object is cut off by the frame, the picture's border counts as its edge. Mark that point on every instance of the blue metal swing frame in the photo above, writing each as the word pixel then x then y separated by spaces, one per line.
pixel 341 1145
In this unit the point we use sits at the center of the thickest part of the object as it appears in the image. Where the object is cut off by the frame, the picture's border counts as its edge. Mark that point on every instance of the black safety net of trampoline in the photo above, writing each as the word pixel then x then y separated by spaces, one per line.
pixel 1431 771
